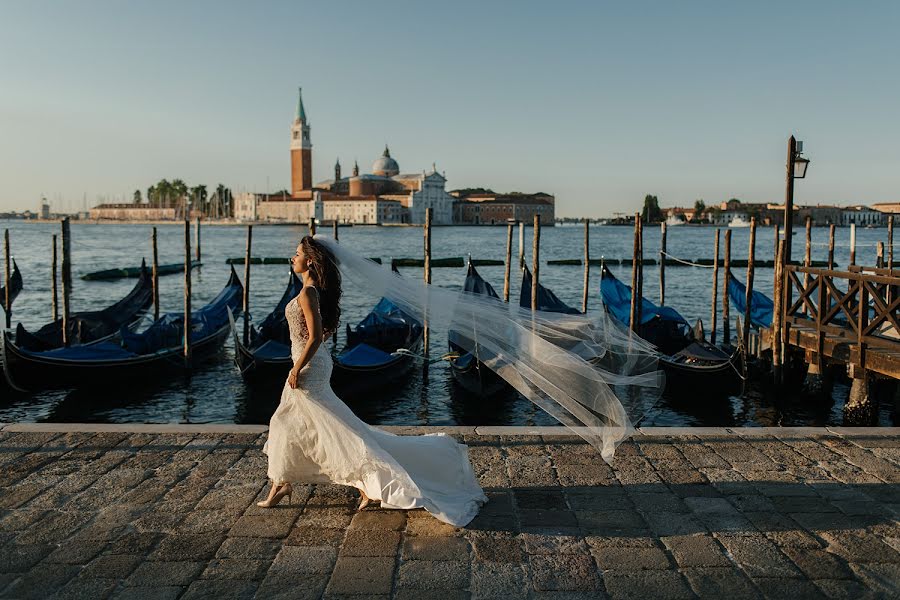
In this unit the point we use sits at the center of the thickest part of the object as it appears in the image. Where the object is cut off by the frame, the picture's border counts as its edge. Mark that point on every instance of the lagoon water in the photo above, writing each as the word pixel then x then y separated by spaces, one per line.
pixel 215 393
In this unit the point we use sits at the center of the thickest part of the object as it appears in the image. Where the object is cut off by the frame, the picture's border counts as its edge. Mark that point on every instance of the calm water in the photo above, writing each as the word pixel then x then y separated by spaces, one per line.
pixel 216 393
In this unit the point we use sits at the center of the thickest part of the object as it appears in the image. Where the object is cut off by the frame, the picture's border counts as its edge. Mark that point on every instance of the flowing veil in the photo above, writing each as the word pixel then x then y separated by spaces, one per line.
pixel 568 365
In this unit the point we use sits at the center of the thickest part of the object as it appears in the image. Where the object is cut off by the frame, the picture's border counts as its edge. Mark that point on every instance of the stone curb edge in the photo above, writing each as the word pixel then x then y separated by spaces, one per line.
pixel 485 430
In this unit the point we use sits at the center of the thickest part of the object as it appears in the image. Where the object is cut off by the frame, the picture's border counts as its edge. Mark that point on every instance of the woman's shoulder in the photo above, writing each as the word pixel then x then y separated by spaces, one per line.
pixel 308 294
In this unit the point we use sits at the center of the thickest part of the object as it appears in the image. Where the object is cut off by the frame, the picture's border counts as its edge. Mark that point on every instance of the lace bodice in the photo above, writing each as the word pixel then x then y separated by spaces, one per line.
pixel 297 325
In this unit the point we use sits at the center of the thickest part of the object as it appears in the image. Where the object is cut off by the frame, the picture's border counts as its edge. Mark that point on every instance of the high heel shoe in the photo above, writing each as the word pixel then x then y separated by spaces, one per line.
pixel 285 490
pixel 363 502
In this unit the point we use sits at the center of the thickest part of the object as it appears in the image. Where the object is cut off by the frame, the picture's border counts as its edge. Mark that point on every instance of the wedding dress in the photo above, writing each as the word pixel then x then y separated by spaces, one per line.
pixel 315 438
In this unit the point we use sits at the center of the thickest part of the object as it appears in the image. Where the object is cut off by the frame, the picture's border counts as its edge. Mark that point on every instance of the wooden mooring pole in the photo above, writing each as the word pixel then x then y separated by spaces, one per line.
pixel 427 273
pixel 335 225
pixel 715 291
pixel 312 225
pixel 879 255
pixel 66 278
pixel 831 246
pixel 632 314
pixel 53 286
pixel 587 265
pixel 187 293
pixel 890 242
pixel 775 256
pixel 7 278
pixel 246 304
pixel 662 264
pixel 807 256
pixel 197 238
pixel 155 275
pixel 751 254
pixel 776 318
pixel 640 303
pixel 535 262
pixel 726 316
pixel 521 245
pixel 509 239
pixel 852 243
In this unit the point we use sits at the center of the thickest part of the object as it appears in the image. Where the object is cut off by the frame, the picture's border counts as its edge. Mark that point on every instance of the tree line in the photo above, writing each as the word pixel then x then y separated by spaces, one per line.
pixel 188 200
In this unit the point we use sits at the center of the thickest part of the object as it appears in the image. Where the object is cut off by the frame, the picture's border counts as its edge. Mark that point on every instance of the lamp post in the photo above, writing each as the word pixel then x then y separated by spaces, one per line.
pixel 795 169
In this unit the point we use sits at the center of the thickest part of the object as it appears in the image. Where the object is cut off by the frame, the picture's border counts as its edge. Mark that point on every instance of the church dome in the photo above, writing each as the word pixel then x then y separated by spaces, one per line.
pixel 385 165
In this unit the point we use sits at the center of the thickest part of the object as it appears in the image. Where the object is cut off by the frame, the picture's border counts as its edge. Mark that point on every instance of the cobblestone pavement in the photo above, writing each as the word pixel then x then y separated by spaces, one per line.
pixel 173 515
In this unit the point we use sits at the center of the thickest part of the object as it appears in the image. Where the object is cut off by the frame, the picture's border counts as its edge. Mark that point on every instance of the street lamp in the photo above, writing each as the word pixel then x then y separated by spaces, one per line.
pixel 800 163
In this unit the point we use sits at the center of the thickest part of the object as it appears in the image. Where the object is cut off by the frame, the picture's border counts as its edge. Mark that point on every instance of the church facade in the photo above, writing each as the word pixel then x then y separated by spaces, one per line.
pixel 382 197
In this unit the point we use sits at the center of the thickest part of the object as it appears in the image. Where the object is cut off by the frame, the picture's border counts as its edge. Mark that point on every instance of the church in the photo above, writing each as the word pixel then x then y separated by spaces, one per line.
pixel 384 196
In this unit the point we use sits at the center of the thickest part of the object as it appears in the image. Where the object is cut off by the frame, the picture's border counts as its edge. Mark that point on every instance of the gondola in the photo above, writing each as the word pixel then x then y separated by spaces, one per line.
pixel 691 364
pixel 469 372
pixel 15 286
pixel 132 272
pixel 378 351
pixel 92 326
pixel 138 358
pixel 267 356
pixel 547 300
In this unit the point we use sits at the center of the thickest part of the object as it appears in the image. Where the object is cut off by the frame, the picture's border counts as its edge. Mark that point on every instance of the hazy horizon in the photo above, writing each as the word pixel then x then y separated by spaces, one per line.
pixel 598 105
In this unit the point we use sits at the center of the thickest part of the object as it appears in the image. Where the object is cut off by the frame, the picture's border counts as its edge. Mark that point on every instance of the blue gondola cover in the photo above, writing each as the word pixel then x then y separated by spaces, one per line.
pixel 762 308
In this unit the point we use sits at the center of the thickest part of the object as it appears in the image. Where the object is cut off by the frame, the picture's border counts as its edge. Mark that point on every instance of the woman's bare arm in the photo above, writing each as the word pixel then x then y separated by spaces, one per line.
pixel 309 304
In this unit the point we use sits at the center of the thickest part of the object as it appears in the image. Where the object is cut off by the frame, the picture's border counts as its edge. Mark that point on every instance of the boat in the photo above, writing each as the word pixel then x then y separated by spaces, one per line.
pixel 469 372
pixel 691 364
pixel 379 350
pixel 132 359
pixel 15 286
pixel 674 221
pixel 761 306
pixel 267 355
pixel 739 221
pixel 92 326
pixel 132 272
pixel 547 300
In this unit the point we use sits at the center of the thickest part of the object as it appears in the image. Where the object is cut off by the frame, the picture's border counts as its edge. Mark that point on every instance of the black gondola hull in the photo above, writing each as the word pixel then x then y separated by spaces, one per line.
pixel 30 372
pixel 348 381
pixel 476 378
pixel 683 380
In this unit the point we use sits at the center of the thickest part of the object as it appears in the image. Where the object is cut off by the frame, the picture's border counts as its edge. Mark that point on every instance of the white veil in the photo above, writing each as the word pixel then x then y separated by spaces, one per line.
pixel 568 365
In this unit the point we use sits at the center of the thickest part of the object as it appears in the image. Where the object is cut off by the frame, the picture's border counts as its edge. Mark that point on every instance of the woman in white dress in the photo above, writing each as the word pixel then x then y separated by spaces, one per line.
pixel 315 438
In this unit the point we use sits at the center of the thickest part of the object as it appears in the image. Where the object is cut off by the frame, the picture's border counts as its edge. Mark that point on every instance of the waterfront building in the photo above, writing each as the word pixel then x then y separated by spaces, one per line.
pixel 489 208
pixel 862 215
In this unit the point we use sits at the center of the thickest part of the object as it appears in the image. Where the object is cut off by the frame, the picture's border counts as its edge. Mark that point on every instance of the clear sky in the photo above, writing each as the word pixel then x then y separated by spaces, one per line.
pixel 599 103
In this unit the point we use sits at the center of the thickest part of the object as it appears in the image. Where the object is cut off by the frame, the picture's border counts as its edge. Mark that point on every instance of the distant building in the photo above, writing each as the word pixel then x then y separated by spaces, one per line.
pixel 132 212
pixel 887 207
pixel 490 209
pixel 384 196
pixel 44 211
pixel 862 215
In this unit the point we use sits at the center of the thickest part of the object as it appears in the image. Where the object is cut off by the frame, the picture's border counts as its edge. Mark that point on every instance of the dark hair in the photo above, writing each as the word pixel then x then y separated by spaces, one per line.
pixel 328 281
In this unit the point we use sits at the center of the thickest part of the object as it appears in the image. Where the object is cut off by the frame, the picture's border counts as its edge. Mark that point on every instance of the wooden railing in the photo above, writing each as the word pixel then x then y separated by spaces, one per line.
pixel 859 305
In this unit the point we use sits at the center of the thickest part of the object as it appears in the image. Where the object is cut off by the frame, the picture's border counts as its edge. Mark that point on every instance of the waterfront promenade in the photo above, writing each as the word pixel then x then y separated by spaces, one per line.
pixel 168 511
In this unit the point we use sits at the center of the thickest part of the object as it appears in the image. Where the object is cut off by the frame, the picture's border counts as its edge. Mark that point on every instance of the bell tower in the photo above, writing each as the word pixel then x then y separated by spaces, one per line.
pixel 301 151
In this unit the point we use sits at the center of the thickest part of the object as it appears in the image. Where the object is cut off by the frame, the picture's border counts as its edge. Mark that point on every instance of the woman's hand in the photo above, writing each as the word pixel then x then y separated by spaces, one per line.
pixel 293 378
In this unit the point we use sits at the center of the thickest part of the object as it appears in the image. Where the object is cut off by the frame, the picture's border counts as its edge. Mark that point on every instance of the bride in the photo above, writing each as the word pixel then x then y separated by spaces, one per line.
pixel 315 438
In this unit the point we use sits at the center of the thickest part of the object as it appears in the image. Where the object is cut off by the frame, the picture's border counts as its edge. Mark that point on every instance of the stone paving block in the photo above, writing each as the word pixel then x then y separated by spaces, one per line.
pixel 631 559
pixel 208 522
pixel 148 593
pixel 431 527
pixel 698 550
pixel 540 499
pixel 373 542
pixel 292 587
pixel 547 518
pixel 758 557
pixel 111 566
pixel 435 548
pixel 665 502
pixel 187 547
pixel 498 580
pixel 165 573
pixel 329 517
pixel 235 568
pixel 721 582
pixel 362 575
pixel 640 585
pixel 81 588
pixel 610 521
pixel 570 572
pixel 249 548
pixel 665 523
pixel 275 525
pixel 308 560
pixel 818 564
pixel 843 588
pixel 780 588
pixel 315 536
pixel 391 520
pixel 882 578
pixel 414 594
pixel 598 498
pixel 76 552
pixel 537 542
pixel 129 543
pixel 40 581
pixel 433 575
pixel 858 547
pixel 19 558
pixel 216 589
pixel 493 549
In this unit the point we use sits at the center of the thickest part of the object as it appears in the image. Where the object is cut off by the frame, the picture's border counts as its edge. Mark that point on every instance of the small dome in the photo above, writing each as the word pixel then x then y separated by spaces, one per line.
pixel 385 165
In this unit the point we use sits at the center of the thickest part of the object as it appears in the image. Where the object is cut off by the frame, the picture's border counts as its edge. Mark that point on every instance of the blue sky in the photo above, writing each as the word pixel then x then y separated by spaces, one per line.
pixel 599 103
